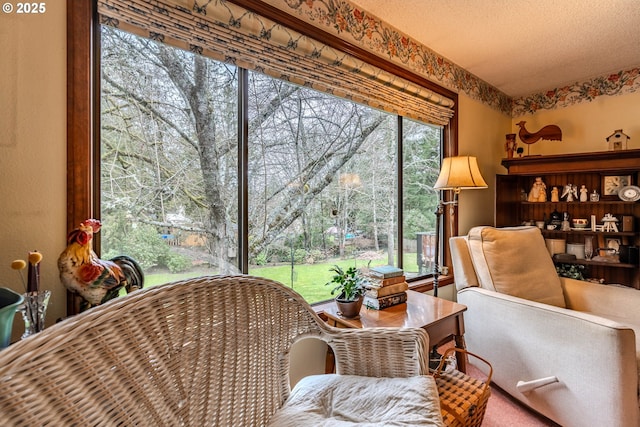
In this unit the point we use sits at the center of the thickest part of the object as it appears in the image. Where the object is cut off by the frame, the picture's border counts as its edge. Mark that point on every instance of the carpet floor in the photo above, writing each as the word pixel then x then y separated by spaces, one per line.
pixel 502 409
pixel 505 411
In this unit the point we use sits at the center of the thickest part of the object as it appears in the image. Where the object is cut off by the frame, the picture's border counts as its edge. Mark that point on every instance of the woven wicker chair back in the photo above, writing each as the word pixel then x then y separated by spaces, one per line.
pixel 205 351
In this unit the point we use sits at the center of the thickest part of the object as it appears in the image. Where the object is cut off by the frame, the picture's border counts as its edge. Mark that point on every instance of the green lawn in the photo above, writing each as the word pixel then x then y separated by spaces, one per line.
pixel 308 279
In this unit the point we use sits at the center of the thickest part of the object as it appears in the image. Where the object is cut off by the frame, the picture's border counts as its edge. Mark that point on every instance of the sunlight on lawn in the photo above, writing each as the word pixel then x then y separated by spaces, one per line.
pixel 306 279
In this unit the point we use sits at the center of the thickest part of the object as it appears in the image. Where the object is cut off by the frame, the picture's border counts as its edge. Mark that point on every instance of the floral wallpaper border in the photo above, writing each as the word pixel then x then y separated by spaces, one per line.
pixel 356 26
pixel 620 83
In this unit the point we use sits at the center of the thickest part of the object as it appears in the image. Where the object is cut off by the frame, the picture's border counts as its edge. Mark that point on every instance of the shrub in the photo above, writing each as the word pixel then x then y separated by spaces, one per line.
pixel 261 259
pixel 177 263
pixel 299 256
pixel 142 243
pixel 314 256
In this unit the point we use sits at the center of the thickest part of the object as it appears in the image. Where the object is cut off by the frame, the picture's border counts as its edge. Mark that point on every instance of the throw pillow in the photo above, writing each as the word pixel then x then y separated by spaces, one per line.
pixel 515 261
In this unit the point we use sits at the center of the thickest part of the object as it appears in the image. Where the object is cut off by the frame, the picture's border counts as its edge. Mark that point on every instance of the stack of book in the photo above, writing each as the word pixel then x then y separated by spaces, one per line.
pixel 387 287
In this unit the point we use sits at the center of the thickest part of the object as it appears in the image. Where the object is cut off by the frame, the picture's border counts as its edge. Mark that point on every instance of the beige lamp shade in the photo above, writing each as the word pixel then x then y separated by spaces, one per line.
pixel 459 173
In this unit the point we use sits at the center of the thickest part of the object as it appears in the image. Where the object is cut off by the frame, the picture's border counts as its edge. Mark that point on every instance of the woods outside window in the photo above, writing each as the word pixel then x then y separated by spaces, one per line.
pixel 207 167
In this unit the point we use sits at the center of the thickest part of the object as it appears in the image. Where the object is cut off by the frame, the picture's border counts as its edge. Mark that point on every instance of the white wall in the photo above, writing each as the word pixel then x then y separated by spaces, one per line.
pixel 33 147
pixel 482 133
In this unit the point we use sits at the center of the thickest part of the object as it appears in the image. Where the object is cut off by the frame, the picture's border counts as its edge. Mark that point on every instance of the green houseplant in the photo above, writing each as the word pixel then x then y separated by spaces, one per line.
pixel 350 287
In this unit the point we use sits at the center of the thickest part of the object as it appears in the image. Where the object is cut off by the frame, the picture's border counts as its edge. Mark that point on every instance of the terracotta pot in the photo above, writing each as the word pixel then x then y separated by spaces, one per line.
pixel 349 309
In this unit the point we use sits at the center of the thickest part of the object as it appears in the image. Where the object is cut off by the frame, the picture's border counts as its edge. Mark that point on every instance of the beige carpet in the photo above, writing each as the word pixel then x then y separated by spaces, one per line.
pixel 502 409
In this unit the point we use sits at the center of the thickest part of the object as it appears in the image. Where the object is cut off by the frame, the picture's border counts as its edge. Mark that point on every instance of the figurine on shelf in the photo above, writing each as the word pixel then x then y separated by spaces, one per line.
pixel 594 197
pixel 510 145
pixel 538 191
pixel 570 192
pixel 584 193
pixel 566 226
pixel 610 223
pixel 555 195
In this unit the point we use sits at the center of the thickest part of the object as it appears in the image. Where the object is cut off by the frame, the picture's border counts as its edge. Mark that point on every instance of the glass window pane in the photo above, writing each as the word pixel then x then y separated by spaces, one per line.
pixel 421 151
pixel 322 185
pixel 323 182
pixel 168 158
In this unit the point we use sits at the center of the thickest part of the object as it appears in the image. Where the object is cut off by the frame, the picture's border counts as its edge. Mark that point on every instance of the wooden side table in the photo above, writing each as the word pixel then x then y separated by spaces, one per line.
pixel 442 319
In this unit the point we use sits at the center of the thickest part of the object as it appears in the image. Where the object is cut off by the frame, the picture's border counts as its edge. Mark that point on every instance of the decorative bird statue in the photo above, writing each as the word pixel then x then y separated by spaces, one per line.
pixel 94 279
pixel 549 132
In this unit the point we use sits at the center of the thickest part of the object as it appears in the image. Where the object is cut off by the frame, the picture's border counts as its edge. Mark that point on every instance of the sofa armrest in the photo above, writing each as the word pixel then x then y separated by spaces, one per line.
pixel 604 300
pixel 380 352
pixel 593 358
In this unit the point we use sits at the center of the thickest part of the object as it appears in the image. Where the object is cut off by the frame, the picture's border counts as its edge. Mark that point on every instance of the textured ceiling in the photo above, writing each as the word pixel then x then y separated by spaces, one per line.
pixel 522 46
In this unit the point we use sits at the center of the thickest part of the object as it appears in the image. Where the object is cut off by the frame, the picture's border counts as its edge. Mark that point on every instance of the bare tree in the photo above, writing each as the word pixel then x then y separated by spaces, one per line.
pixel 301 151
pixel 169 137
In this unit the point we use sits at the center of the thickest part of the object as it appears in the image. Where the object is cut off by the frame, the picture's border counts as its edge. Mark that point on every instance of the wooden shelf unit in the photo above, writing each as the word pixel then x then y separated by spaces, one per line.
pixel 557 171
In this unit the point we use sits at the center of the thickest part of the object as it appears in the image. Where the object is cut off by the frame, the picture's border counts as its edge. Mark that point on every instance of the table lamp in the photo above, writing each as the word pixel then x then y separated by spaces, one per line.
pixel 456 173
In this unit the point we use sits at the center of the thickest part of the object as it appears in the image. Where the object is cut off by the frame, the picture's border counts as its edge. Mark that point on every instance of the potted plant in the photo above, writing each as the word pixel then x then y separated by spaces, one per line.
pixel 350 287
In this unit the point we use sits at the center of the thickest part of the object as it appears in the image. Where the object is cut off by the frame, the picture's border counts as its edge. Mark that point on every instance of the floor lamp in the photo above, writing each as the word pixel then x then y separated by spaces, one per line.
pixel 457 173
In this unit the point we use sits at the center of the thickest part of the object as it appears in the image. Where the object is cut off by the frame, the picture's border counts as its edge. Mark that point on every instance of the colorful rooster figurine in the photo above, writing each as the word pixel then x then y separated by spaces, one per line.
pixel 94 279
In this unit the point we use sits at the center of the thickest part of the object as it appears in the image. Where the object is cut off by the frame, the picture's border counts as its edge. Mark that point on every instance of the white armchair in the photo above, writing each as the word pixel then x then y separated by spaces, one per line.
pixel 563 347
pixel 212 351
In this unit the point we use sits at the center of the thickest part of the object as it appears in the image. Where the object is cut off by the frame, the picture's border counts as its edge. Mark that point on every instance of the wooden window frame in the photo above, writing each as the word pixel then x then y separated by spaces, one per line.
pixel 83 95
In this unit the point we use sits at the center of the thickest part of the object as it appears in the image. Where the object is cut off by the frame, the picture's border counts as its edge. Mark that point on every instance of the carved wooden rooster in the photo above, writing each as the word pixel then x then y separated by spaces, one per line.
pixel 549 132
pixel 94 279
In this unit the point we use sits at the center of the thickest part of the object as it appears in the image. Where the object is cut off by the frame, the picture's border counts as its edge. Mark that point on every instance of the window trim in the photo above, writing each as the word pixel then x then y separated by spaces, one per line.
pixel 83 93
pixel 296 24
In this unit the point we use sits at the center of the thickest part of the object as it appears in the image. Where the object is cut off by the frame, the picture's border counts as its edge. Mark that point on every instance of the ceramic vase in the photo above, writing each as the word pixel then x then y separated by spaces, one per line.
pixel 588 247
pixel 9 303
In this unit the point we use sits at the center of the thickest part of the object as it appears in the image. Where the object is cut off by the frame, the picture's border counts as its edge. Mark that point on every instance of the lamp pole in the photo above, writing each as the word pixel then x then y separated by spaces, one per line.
pixel 456 173
pixel 436 252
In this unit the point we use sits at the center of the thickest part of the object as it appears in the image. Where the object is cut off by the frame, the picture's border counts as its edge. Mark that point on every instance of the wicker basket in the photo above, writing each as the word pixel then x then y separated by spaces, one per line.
pixel 463 399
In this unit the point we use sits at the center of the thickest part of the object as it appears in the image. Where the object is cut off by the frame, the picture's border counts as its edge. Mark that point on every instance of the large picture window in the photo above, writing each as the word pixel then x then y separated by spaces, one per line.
pixel 323 179
pixel 208 168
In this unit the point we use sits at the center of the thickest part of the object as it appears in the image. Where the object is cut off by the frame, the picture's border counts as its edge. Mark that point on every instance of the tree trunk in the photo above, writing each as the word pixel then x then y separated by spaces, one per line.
pixel 391 233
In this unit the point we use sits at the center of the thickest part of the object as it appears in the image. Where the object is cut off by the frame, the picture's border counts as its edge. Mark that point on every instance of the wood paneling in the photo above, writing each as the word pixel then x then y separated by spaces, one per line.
pixel 578 169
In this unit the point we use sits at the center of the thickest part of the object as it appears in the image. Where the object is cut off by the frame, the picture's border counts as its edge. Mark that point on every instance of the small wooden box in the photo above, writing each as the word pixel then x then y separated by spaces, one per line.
pixel 628 223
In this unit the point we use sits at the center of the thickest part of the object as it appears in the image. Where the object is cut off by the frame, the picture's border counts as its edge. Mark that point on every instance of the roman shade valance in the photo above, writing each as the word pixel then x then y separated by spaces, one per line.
pixel 226 32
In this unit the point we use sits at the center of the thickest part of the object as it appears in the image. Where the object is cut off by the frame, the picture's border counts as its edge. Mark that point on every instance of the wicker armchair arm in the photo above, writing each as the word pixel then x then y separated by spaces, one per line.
pixel 380 352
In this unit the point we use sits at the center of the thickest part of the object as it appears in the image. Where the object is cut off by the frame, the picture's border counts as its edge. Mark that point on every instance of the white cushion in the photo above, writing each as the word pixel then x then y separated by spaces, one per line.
pixel 344 400
pixel 515 261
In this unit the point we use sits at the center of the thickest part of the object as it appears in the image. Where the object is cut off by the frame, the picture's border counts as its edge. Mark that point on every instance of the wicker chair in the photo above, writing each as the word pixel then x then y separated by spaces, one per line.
pixel 206 351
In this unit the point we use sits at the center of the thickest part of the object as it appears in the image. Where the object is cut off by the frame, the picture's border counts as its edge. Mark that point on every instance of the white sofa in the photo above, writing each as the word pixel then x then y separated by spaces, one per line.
pixel 577 337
